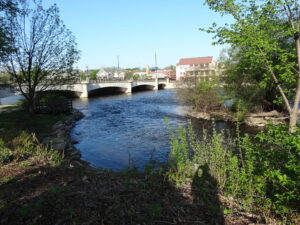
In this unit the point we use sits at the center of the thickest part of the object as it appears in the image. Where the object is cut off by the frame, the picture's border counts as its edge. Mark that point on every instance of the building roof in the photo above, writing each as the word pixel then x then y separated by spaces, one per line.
pixel 196 60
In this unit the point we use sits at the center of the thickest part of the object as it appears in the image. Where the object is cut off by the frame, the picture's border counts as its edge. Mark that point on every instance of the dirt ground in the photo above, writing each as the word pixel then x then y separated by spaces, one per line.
pixel 41 194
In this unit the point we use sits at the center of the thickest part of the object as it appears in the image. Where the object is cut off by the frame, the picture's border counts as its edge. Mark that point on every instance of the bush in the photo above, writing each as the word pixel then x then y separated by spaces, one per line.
pixel 53 103
pixel 5 154
pixel 203 96
pixel 262 172
pixel 276 157
pixel 27 146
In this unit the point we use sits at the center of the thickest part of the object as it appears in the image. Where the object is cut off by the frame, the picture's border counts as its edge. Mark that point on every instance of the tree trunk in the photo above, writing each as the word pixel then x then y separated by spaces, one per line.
pixel 294 112
pixel 31 103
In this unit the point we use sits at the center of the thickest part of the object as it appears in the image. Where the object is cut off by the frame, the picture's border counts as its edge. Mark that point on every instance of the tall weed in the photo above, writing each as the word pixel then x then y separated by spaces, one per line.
pixel 27 146
pixel 261 172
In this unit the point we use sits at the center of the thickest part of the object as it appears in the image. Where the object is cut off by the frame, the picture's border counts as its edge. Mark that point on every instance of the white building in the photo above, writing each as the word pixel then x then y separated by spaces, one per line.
pixel 102 74
pixel 202 67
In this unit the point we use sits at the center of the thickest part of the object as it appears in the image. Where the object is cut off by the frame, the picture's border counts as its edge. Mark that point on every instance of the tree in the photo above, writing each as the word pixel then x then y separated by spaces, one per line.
pixel 258 30
pixel 170 67
pixel 128 75
pixel 43 51
pixel 93 74
pixel 245 84
pixel 6 6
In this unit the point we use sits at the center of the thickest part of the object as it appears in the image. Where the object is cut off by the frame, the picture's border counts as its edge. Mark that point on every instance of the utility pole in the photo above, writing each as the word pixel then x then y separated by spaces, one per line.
pixel 118 66
pixel 155 61
pixel 155 66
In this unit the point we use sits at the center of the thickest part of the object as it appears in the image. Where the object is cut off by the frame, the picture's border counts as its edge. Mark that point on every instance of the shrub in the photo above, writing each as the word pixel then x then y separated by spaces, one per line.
pixel 5 154
pixel 259 172
pixel 27 146
pixel 203 96
pixel 276 157
pixel 53 103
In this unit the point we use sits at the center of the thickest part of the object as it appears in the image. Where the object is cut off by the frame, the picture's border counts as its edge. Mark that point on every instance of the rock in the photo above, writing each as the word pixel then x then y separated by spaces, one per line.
pixel 85 179
pixel 61 134
pixel 75 164
pixel 59 144
pixel 58 126
pixel 75 154
pixel 255 121
pixel 273 113
pixel 60 138
pixel 264 120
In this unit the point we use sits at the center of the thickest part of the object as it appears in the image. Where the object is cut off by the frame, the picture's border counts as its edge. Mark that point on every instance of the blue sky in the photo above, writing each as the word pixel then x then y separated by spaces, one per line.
pixel 136 29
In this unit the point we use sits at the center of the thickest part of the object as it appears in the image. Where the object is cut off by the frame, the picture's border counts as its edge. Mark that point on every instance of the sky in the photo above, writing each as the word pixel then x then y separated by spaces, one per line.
pixel 135 30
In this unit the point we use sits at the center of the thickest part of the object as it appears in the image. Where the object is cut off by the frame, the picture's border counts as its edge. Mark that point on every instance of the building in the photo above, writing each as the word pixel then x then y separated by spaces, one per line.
pixel 163 74
pixel 203 68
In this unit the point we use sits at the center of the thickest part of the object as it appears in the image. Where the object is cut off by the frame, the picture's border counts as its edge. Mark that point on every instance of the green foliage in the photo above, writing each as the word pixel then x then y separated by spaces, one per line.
pixel 128 75
pixel 55 191
pixel 93 74
pixel 276 156
pixel 4 78
pixel 26 146
pixel 246 83
pixel 203 96
pixel 260 173
pixel 136 76
pixel 170 67
pixel 7 180
pixel 146 76
pixel 5 154
pixel 82 76
pixel 267 34
pixel 180 165
pixel 154 211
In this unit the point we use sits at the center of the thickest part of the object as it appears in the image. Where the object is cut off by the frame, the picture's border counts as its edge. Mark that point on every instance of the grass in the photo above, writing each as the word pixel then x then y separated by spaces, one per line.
pixel 13 123
pixel 4 107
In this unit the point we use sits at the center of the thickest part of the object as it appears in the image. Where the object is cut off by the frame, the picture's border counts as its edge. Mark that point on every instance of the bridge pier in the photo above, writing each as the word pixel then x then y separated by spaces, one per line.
pixel 84 93
pixel 156 84
pixel 129 88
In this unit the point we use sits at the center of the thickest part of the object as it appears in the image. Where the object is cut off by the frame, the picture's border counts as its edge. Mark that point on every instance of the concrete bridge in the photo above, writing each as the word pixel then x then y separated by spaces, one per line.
pixel 87 87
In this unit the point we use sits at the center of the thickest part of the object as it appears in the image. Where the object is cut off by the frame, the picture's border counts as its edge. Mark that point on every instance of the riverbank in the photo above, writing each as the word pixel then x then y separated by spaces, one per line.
pixel 41 189
pixel 261 119
pixel 61 140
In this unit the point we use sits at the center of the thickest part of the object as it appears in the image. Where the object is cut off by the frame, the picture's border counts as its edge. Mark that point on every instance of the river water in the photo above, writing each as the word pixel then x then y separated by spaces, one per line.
pixel 128 130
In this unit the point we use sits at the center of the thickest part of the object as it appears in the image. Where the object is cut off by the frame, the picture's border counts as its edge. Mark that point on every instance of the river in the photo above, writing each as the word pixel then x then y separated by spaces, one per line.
pixel 128 130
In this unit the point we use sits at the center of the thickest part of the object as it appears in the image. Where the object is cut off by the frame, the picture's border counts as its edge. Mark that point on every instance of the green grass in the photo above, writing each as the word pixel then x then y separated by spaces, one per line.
pixel 8 106
pixel 7 180
pixel 12 123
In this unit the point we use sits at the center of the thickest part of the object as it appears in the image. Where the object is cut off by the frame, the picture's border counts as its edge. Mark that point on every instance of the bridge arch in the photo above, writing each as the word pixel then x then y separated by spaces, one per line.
pixel 106 91
pixel 161 86
pixel 143 87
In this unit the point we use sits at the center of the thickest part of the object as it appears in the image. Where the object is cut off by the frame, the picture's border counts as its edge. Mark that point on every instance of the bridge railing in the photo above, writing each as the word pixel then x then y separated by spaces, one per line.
pixel 102 80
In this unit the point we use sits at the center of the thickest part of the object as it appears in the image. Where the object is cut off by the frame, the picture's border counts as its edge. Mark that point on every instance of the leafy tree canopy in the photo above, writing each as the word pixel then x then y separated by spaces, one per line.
pixel 258 30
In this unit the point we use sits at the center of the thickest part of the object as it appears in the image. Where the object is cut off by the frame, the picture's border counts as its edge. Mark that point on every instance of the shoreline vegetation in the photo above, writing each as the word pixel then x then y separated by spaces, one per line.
pixel 40 185
pixel 260 119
